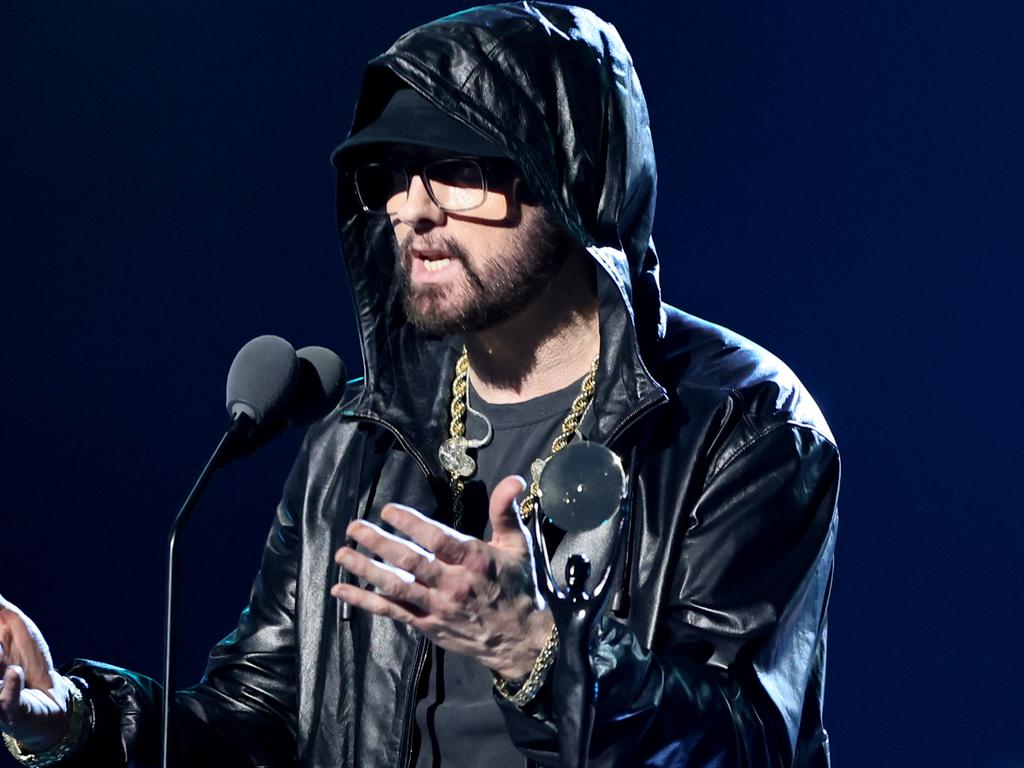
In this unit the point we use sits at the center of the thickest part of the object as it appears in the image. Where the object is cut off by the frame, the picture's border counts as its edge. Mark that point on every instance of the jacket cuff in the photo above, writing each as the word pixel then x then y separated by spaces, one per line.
pixel 104 745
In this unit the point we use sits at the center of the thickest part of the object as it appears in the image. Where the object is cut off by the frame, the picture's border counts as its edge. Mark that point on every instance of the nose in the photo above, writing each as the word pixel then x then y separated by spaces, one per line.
pixel 419 210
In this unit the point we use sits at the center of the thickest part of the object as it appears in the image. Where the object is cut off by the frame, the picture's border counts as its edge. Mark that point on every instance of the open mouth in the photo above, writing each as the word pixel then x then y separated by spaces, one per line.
pixel 431 260
pixel 433 265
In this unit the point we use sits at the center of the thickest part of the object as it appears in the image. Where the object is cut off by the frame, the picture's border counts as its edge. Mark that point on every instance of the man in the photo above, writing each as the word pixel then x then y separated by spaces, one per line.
pixel 495 201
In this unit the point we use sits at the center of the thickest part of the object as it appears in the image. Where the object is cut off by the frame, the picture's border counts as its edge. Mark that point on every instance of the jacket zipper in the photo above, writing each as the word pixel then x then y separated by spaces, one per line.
pixel 634 415
pixel 411 705
pixel 423 649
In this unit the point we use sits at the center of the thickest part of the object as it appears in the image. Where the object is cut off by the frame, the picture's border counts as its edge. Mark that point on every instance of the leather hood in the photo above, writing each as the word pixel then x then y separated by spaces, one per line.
pixel 555 87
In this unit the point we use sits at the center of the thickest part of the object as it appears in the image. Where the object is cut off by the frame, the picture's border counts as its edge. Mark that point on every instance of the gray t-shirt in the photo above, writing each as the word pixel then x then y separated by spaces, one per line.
pixel 458 723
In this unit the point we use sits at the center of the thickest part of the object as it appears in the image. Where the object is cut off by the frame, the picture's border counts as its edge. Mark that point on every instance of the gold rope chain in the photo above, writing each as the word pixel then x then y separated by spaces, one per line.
pixel 457 428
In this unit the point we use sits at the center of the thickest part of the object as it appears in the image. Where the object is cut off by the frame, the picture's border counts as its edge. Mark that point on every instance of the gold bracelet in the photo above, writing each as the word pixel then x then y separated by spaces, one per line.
pixel 79 726
pixel 523 694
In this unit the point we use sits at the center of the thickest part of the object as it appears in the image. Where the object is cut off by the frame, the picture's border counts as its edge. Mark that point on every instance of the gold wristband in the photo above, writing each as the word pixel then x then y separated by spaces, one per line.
pixel 79 726
pixel 524 693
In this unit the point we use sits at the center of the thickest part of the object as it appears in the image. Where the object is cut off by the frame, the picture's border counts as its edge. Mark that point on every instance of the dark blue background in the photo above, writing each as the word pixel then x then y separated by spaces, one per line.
pixel 839 181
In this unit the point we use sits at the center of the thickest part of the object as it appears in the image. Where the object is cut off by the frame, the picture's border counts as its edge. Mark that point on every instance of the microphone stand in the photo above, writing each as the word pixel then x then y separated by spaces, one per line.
pixel 231 445
pixel 576 612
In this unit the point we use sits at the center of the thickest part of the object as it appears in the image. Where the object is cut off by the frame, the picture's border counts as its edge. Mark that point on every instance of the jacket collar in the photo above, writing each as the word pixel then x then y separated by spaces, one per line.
pixel 411 393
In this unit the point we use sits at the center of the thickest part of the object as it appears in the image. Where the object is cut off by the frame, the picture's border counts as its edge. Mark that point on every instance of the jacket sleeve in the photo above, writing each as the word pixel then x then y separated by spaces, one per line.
pixel 737 649
pixel 243 711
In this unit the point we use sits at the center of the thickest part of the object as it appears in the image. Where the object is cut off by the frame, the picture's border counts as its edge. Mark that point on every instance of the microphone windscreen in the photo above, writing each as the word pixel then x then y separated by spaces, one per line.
pixel 261 379
pixel 321 381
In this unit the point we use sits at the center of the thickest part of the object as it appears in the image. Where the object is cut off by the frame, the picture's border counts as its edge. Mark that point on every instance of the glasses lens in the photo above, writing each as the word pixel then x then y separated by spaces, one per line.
pixel 381 187
pixel 456 184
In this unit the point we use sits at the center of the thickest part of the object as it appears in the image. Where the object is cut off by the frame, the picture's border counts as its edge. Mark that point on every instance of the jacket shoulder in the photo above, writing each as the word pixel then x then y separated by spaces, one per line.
pixel 337 427
pixel 705 365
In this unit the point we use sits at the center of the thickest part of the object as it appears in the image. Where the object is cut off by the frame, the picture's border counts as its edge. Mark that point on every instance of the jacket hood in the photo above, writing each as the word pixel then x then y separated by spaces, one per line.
pixel 555 87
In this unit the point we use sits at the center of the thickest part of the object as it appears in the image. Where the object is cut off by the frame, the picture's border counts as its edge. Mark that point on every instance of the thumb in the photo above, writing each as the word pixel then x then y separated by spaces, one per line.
pixel 10 694
pixel 506 529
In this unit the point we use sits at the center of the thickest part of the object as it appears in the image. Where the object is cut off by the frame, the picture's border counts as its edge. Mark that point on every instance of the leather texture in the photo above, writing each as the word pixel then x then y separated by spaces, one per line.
pixel 715 653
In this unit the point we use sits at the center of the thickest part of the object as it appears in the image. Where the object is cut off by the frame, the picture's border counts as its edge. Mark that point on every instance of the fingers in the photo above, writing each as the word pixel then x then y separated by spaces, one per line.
pixel 404 554
pixel 446 543
pixel 377 604
pixel 390 581
pixel 23 644
pixel 507 530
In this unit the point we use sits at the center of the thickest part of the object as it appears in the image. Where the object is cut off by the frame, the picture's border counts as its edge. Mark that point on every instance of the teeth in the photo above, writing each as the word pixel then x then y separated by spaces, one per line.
pixel 435 264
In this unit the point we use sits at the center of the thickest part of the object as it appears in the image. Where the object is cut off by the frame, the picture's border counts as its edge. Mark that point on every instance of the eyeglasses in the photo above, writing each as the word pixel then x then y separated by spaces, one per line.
pixel 454 184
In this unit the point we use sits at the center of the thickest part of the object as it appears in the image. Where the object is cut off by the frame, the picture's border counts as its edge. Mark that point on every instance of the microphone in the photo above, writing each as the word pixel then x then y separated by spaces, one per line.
pixel 261 379
pixel 270 386
pixel 319 385
pixel 260 387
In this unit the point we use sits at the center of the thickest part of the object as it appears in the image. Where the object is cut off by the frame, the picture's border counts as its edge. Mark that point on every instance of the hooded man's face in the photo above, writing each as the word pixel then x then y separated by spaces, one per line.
pixel 465 272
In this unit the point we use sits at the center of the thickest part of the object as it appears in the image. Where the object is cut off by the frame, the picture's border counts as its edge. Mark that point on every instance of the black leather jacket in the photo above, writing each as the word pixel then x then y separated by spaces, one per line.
pixel 715 652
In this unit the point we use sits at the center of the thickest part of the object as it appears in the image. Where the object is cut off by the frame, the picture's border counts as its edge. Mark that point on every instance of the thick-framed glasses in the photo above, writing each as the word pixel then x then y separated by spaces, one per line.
pixel 454 184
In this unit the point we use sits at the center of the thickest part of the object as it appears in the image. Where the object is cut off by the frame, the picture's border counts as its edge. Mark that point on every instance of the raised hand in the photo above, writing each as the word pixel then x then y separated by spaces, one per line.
pixel 468 596
pixel 34 699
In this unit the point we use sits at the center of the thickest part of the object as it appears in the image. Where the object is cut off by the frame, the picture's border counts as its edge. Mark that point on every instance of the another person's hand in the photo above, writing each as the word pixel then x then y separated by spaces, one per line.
pixel 34 699
pixel 476 598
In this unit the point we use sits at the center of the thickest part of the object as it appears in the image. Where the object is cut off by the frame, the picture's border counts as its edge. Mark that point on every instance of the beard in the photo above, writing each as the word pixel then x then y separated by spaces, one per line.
pixel 496 289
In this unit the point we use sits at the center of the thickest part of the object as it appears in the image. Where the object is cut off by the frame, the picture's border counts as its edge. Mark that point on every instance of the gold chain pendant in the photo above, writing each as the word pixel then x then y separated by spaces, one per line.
pixel 453 451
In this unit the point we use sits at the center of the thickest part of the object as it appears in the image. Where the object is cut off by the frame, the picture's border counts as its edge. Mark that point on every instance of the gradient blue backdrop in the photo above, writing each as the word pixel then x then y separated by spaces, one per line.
pixel 839 181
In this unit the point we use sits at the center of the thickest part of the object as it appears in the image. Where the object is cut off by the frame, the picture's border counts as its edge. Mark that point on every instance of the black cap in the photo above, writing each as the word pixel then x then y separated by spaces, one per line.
pixel 409 118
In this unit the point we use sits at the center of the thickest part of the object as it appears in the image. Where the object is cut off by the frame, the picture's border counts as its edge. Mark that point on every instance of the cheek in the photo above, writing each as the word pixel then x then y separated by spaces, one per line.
pixel 496 207
pixel 490 255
